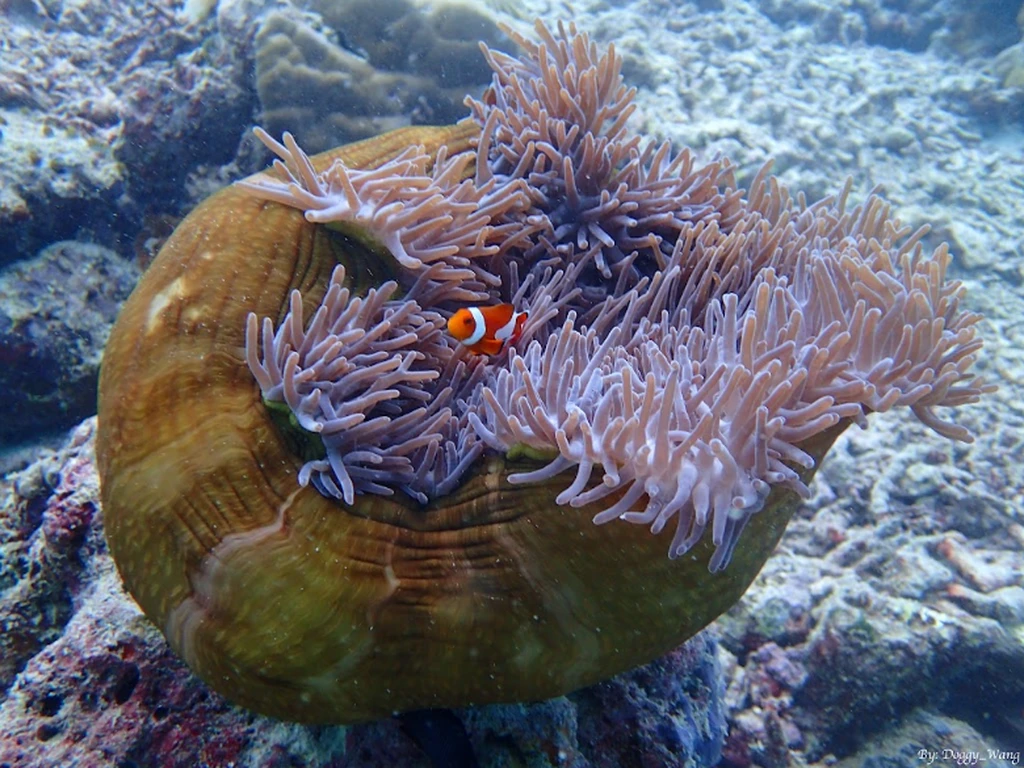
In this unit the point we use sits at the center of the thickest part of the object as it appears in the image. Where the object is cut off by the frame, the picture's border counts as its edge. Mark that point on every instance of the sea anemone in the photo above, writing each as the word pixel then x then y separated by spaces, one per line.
pixel 335 511
pixel 684 337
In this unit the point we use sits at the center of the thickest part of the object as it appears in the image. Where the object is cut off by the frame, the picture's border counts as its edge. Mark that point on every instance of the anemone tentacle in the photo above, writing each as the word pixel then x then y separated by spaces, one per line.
pixel 684 338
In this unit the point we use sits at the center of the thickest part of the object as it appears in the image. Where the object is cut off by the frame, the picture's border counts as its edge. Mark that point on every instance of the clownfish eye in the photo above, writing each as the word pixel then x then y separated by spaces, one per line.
pixel 467 321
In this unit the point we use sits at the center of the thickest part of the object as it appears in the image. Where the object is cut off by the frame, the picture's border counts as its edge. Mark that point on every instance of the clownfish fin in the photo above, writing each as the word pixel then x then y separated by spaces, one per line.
pixel 487 347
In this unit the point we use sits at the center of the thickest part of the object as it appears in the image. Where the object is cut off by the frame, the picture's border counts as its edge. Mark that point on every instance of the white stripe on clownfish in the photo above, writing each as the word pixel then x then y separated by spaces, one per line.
pixel 479 328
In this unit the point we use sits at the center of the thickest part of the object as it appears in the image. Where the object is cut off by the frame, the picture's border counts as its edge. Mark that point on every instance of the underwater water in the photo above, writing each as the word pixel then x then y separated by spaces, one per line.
pixel 888 625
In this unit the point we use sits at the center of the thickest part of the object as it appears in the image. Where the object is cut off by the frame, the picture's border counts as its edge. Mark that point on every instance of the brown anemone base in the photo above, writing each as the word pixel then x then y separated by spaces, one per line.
pixel 295 606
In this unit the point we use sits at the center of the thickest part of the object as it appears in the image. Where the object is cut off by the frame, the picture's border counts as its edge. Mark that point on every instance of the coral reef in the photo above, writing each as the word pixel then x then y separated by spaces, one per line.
pixel 940 133
pixel 441 41
pixel 102 108
pixel 87 680
pixel 924 736
pixel 56 311
pixel 368 67
pixel 945 27
pixel 112 113
pixel 900 588
pixel 1009 66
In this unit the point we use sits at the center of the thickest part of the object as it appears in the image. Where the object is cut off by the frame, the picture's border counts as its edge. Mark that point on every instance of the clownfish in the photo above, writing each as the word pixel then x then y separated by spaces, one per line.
pixel 486 330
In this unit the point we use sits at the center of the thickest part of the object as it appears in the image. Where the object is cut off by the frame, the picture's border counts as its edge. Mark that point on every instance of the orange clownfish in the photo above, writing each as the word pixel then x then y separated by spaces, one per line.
pixel 486 330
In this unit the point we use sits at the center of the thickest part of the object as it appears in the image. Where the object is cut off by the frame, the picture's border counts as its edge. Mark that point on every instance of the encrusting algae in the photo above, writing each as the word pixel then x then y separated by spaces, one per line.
pixel 335 508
